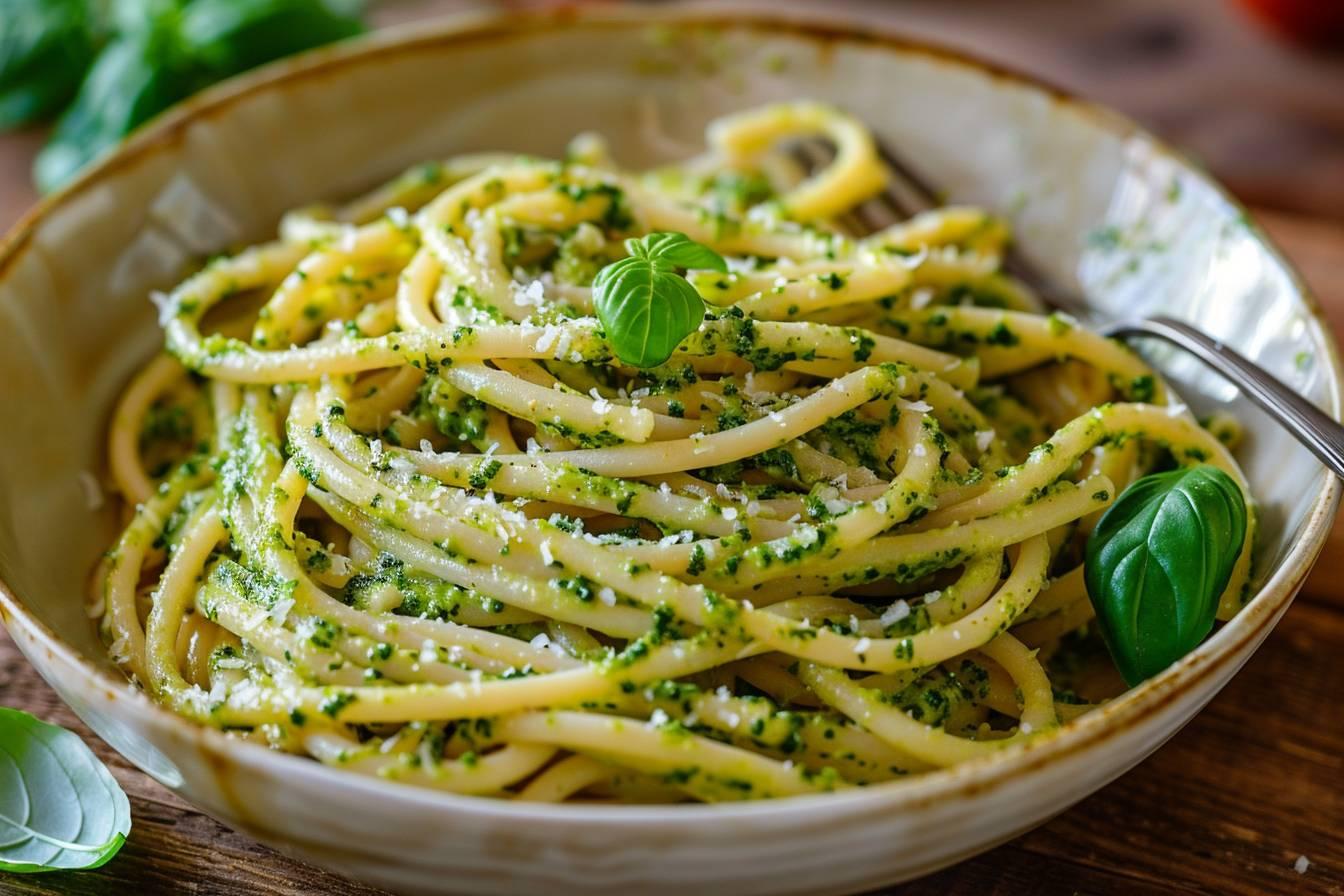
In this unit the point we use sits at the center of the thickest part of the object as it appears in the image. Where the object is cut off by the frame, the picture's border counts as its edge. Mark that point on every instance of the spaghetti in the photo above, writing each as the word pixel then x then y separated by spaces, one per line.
pixel 394 504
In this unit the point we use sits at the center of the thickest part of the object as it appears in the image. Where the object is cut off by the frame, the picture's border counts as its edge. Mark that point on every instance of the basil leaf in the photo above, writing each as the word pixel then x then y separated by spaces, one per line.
pixel 135 16
pixel 60 808
pixel 645 306
pixel 231 36
pixel 679 250
pixel 136 76
pixel 46 46
pixel 1157 563
pixel 166 50
pixel 645 309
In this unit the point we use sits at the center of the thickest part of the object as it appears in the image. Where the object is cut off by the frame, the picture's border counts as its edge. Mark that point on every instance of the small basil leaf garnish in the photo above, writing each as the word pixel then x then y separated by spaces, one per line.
pixel 646 307
pixel 1159 560
pixel 60 808
pixel 678 250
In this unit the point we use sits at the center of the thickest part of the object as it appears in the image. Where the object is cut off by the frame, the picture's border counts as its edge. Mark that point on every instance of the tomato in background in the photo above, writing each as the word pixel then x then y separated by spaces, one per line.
pixel 1319 23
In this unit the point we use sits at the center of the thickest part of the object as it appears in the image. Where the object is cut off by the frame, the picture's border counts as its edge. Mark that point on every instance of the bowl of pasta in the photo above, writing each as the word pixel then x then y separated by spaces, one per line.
pixel 481 459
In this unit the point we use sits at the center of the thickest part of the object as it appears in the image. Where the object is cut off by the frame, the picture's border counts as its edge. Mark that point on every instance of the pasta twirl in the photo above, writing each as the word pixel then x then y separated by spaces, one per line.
pixel 394 503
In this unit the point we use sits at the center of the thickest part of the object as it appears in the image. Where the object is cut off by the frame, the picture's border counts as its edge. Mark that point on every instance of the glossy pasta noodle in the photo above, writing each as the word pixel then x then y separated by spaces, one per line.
pixel 393 503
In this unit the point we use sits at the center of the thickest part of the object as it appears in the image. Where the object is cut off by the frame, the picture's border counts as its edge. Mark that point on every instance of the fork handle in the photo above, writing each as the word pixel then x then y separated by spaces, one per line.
pixel 1321 433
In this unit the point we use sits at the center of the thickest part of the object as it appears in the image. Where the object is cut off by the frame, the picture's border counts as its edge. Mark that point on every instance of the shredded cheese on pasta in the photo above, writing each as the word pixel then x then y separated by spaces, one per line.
pixel 393 503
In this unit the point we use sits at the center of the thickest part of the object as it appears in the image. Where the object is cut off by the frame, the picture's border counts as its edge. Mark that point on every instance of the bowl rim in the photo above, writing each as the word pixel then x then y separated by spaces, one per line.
pixel 964 781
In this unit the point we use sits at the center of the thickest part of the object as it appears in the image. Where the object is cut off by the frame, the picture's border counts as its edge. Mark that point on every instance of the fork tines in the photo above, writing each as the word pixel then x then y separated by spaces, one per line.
pixel 908 194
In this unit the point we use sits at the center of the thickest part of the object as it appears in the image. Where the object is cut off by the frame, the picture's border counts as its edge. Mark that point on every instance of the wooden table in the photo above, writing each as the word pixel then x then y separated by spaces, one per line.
pixel 1257 780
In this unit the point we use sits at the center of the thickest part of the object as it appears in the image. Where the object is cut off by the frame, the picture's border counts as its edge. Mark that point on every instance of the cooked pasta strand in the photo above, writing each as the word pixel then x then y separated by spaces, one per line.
pixel 407 513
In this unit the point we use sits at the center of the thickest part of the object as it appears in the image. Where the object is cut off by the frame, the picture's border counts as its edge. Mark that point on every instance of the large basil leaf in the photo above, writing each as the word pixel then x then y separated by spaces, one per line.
pixel 231 36
pixel 60 808
pixel 46 46
pixel 164 51
pixel 1157 563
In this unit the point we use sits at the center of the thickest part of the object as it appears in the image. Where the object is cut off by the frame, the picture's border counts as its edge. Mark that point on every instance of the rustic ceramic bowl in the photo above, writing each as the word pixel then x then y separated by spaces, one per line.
pixel 1096 203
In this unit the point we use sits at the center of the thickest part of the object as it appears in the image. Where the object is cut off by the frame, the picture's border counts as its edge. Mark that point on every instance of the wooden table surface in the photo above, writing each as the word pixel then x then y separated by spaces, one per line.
pixel 1257 780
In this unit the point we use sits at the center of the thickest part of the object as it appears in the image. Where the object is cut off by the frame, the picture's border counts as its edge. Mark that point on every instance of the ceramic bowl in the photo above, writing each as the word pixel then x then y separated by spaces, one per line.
pixel 1096 203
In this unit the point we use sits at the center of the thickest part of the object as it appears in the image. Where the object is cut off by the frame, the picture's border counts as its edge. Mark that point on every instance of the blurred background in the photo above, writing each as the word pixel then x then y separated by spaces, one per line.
pixel 1254 89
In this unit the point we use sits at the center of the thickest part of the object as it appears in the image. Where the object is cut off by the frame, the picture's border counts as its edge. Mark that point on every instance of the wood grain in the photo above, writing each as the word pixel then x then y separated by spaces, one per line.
pixel 172 848
pixel 1258 778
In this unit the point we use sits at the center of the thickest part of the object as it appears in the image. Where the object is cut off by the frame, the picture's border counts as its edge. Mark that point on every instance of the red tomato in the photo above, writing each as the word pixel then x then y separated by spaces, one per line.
pixel 1317 22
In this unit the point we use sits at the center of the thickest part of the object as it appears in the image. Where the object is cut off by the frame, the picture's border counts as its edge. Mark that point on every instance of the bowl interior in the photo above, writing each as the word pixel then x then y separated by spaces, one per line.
pixel 1095 205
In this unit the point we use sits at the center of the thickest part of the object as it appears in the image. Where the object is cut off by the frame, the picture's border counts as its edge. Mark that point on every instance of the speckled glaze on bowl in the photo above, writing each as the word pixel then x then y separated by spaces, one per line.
pixel 74 321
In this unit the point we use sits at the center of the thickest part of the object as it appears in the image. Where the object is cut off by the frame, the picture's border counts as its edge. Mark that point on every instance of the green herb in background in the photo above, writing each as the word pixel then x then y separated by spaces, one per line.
pixel 232 36
pixel 118 63
pixel 60 808
pixel 1159 560
pixel 135 76
pixel 45 49
pixel 645 306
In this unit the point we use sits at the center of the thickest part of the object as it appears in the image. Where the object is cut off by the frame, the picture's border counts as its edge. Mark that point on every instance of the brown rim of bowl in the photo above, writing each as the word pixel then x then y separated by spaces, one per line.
pixel 964 780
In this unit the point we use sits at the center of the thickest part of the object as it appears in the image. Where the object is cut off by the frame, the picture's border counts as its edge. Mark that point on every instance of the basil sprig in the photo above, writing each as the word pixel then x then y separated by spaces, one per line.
pixel 118 63
pixel 60 808
pixel 646 307
pixel 1157 563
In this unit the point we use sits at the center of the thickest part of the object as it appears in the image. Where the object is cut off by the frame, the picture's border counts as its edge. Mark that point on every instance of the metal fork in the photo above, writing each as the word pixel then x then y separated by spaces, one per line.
pixel 909 194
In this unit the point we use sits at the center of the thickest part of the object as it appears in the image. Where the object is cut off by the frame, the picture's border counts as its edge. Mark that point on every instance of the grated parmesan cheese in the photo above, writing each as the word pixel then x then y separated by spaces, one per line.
pixel 547 338
pixel 166 306
pixel 531 294
pixel 280 610
pixel 895 613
